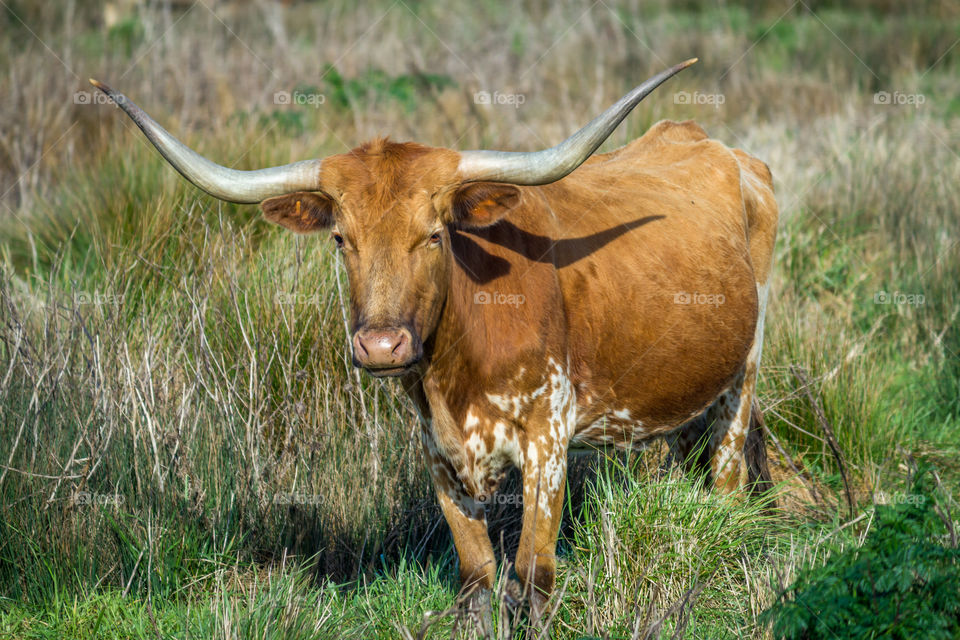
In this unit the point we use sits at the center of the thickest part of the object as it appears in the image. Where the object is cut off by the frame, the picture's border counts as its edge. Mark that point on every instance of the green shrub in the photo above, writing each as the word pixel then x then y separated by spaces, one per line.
pixel 375 84
pixel 902 583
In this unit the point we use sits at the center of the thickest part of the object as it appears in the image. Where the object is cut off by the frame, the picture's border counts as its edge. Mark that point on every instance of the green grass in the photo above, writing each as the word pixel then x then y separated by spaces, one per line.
pixel 639 543
pixel 174 369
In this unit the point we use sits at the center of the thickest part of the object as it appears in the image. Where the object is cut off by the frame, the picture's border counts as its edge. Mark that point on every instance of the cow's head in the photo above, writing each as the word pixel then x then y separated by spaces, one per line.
pixel 389 209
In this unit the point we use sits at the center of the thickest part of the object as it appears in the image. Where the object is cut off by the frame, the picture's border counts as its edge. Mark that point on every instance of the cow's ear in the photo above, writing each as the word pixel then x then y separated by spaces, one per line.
pixel 300 212
pixel 480 204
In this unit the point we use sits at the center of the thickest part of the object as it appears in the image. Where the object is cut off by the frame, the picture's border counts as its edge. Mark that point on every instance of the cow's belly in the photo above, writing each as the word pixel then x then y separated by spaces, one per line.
pixel 666 346
pixel 617 429
pixel 633 424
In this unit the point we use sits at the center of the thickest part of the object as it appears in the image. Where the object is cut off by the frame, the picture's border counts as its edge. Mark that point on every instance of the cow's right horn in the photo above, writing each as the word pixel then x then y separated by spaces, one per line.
pixel 221 182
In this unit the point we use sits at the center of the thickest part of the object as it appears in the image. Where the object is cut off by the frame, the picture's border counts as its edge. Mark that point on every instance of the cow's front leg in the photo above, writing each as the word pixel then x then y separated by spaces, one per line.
pixel 544 482
pixel 468 524
pixel 464 515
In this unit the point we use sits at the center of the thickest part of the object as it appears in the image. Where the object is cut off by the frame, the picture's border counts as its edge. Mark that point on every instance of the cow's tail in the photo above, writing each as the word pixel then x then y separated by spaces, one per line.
pixel 755 454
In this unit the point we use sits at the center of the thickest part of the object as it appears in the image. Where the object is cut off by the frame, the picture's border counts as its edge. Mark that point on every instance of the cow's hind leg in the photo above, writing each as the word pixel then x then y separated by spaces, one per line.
pixel 733 426
pixel 755 454
pixel 729 417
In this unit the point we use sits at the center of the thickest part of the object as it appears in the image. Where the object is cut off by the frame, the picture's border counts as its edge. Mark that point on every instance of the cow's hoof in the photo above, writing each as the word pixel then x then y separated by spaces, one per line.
pixel 475 618
pixel 524 610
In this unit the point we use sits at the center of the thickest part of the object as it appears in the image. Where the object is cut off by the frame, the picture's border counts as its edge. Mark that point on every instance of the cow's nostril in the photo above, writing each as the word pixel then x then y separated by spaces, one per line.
pixel 359 348
pixel 401 343
pixel 383 348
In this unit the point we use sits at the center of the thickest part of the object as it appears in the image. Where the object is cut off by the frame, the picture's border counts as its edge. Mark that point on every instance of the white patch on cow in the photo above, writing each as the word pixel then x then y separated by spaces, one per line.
pixel 563 407
pixel 476 446
pixel 485 459
pixel 515 405
pixel 505 441
pixel 544 503
pixel 618 427
pixel 632 430
pixel 472 421
pixel 502 402
pixel 499 434
pixel 553 471
pixel 542 481
pixel 729 416
pixel 533 456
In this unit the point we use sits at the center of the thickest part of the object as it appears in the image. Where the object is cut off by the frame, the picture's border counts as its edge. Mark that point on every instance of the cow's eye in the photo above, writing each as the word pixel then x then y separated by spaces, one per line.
pixel 435 239
pixel 338 239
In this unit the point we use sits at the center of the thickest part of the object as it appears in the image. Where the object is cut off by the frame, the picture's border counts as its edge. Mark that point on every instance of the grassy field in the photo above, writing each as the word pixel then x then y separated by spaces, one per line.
pixel 185 449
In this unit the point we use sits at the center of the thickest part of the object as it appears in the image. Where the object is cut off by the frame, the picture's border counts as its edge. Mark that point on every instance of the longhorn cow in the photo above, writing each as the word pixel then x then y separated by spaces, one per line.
pixel 537 303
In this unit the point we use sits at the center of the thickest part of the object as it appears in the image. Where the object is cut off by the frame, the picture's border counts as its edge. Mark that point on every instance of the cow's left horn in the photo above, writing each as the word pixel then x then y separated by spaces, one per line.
pixel 219 181
pixel 549 165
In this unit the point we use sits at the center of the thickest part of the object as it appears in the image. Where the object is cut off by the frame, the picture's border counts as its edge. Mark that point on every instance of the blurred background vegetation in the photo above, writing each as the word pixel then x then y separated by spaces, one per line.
pixel 185 447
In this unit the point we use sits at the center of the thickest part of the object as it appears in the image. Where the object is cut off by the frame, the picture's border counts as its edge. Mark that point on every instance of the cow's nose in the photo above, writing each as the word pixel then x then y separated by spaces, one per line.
pixel 383 348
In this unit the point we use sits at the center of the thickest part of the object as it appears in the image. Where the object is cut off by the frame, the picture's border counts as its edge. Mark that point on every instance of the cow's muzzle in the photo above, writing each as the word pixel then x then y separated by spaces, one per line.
pixel 386 351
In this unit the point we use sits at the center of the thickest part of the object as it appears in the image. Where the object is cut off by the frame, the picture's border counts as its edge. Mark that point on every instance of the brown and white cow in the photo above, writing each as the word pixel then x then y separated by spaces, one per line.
pixel 529 312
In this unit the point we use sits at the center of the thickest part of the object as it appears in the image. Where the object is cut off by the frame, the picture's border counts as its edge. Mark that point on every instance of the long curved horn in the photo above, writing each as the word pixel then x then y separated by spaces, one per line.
pixel 549 165
pixel 221 182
